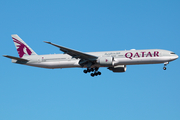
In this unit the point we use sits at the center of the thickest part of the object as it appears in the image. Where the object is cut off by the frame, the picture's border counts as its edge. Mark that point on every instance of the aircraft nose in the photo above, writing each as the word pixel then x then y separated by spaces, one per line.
pixel 175 57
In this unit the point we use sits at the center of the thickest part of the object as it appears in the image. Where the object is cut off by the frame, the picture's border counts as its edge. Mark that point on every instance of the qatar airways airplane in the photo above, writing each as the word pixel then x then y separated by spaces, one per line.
pixel 115 61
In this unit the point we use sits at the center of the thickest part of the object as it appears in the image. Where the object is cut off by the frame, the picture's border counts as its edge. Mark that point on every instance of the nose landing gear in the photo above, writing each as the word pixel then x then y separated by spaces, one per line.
pixel 164 68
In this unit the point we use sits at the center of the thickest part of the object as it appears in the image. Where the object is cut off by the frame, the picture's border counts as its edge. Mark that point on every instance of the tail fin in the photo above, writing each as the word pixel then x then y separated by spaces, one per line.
pixel 22 48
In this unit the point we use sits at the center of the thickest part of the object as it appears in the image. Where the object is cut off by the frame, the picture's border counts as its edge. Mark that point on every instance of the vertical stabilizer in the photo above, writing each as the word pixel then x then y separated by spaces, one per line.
pixel 22 48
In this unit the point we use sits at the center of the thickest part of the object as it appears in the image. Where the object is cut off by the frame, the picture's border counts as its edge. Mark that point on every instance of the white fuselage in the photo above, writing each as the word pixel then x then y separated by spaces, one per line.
pixel 127 57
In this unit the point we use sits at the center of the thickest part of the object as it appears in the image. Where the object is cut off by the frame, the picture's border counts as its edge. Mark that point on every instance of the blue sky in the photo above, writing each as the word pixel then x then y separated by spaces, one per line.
pixel 142 92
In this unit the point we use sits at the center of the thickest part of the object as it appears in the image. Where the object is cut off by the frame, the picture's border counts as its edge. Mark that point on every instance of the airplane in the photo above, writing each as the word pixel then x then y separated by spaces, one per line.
pixel 115 61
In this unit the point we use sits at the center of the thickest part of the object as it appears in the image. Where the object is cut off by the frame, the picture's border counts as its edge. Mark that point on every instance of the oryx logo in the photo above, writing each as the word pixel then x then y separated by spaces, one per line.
pixel 21 48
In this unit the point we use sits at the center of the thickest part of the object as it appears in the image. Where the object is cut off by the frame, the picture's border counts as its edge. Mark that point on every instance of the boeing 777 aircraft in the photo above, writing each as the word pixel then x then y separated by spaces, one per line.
pixel 115 61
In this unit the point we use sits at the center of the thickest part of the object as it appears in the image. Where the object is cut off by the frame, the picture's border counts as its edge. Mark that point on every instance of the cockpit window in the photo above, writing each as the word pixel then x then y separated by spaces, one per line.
pixel 172 53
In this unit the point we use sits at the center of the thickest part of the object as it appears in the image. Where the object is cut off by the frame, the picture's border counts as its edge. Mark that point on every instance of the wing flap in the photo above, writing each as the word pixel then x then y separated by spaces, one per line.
pixel 74 53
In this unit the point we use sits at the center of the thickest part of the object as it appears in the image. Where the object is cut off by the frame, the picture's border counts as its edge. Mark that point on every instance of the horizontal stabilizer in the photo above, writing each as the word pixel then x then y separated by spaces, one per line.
pixel 15 58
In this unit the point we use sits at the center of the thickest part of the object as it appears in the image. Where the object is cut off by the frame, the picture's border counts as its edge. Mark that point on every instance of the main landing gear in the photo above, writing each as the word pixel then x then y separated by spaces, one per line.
pixel 165 65
pixel 95 70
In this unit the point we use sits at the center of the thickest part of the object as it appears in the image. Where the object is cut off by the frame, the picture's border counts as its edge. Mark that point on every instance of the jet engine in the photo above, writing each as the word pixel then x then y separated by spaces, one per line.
pixel 118 68
pixel 106 61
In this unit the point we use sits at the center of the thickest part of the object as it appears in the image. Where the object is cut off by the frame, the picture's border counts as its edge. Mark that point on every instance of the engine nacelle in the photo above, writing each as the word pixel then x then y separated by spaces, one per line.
pixel 106 61
pixel 118 68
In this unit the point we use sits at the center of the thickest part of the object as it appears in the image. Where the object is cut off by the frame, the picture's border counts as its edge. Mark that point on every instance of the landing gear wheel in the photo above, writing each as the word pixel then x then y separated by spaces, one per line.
pixel 164 68
pixel 85 71
pixel 96 74
pixel 94 70
pixel 92 74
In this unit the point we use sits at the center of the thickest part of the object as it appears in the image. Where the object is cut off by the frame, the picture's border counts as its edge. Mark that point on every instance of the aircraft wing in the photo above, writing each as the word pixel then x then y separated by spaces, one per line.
pixel 74 53
pixel 15 58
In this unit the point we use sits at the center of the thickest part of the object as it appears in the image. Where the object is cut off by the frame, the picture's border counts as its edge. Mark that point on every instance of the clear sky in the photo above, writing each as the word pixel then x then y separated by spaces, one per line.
pixel 143 92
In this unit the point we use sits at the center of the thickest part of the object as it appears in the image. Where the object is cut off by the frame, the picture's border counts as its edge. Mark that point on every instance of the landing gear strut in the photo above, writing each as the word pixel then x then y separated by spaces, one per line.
pixel 95 70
